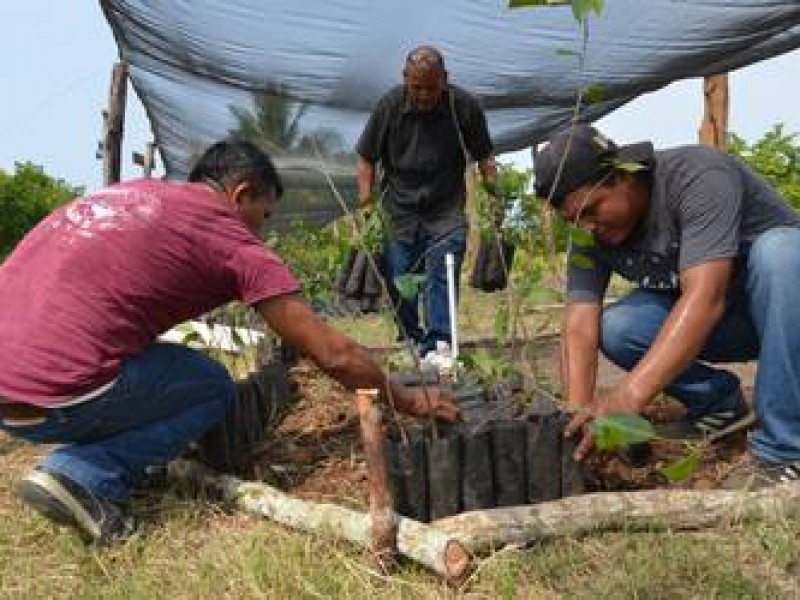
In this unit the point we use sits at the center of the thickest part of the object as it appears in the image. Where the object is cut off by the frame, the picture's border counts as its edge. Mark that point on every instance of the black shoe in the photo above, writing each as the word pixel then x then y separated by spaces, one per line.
pixel 711 426
pixel 97 520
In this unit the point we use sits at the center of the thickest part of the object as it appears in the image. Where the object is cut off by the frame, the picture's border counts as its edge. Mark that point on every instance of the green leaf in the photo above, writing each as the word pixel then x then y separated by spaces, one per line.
pixel 582 8
pixel 566 52
pixel 593 93
pixel 581 261
pixel 618 430
pixel 540 294
pixel 192 337
pixel 581 237
pixel 629 167
pixel 683 468
pixel 408 285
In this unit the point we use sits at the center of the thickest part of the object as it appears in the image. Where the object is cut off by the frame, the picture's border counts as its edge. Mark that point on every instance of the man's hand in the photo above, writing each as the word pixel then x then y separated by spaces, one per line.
pixel 621 399
pixel 426 402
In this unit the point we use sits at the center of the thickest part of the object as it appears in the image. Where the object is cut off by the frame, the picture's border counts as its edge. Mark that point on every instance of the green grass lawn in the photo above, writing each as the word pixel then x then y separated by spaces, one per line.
pixel 192 549
pixel 195 549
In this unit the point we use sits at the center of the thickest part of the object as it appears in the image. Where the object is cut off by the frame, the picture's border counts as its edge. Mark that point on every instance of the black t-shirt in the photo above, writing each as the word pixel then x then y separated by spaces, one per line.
pixel 704 205
pixel 423 160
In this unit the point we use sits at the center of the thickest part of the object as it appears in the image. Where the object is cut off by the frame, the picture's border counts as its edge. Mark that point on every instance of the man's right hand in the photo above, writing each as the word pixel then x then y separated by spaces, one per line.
pixel 426 401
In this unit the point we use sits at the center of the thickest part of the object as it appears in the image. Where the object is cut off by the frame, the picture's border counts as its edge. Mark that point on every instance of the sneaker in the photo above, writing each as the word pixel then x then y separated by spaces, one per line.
pixel 754 474
pixel 97 520
pixel 709 427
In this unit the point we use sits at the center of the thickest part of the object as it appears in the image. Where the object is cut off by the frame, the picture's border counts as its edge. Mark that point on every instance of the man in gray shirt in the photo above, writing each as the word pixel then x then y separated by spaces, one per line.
pixel 422 134
pixel 713 251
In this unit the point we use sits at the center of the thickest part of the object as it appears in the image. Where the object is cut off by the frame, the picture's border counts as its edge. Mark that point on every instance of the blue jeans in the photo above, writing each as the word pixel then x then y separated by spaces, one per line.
pixel 401 258
pixel 761 321
pixel 164 398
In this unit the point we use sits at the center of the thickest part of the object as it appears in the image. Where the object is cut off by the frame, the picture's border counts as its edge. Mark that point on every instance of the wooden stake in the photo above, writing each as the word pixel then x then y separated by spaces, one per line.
pixel 114 124
pixel 381 507
pixel 714 127
pixel 420 542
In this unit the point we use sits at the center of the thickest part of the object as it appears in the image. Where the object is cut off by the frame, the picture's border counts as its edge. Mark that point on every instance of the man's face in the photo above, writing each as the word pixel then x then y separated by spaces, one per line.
pixel 610 211
pixel 424 85
pixel 255 209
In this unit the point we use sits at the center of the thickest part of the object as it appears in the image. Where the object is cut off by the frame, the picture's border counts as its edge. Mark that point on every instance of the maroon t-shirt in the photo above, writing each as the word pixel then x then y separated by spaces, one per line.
pixel 100 278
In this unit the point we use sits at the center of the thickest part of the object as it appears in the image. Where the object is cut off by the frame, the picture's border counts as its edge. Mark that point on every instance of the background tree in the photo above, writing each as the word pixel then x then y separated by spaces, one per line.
pixel 27 196
pixel 776 156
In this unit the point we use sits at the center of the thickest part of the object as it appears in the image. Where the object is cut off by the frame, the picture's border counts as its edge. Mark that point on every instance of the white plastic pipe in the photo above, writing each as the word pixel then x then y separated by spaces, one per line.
pixel 449 261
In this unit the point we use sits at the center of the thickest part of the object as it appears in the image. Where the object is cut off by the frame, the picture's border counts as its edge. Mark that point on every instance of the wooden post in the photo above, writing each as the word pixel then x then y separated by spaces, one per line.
pixel 113 125
pixel 381 509
pixel 714 127
pixel 147 160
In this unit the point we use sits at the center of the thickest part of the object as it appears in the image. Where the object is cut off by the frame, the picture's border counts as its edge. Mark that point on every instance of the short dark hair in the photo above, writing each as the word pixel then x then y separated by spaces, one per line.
pixel 229 162
pixel 425 58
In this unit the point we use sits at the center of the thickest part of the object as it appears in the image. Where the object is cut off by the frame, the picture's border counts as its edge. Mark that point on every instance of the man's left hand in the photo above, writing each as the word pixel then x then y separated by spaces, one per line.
pixel 619 400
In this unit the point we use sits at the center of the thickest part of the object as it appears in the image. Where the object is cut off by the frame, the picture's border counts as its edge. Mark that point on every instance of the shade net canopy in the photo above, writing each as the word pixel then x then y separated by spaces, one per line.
pixel 300 78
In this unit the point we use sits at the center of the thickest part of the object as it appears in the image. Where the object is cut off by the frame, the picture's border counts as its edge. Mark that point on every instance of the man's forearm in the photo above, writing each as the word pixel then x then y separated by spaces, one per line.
pixel 685 331
pixel 366 181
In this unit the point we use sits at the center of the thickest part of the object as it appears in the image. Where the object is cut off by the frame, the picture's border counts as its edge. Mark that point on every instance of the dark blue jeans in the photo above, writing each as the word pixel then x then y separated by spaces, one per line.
pixel 402 257
pixel 164 398
pixel 761 322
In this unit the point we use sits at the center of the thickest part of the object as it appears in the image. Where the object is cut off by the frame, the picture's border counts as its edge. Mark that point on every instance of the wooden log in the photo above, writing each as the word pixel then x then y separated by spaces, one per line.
pixel 485 531
pixel 383 532
pixel 441 553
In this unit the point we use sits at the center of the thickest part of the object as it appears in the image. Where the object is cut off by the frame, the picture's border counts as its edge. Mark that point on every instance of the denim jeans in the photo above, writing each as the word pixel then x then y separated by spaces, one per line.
pixel 761 321
pixel 164 398
pixel 402 257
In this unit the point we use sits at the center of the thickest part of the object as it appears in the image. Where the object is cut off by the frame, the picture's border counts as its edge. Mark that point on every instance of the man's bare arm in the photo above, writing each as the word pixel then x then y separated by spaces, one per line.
pixel 684 333
pixel 345 360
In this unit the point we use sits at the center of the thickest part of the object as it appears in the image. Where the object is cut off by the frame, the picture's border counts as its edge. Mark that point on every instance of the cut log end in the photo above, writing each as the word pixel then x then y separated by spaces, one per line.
pixel 457 562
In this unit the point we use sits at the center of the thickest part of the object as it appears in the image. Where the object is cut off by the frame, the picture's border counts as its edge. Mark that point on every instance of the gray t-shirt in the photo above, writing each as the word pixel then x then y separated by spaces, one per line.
pixel 704 205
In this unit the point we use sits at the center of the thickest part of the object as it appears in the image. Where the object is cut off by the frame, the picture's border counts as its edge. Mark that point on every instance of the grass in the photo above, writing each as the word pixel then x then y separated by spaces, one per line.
pixel 194 549
pixel 191 549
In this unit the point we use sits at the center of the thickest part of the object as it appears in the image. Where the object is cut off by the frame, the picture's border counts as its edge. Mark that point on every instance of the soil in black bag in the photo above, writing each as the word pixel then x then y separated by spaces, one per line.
pixel 508 454
pixel 477 489
pixel 444 474
pixel 544 458
pixel 413 462
pixel 572 480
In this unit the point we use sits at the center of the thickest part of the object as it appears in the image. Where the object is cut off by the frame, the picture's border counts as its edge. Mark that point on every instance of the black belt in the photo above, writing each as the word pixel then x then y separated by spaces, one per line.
pixel 19 414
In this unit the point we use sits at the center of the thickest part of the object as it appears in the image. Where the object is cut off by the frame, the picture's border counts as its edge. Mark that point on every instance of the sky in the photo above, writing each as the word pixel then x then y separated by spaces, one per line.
pixel 56 72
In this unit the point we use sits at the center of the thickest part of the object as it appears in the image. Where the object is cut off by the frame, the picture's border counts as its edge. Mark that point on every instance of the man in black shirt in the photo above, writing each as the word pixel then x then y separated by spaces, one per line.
pixel 423 133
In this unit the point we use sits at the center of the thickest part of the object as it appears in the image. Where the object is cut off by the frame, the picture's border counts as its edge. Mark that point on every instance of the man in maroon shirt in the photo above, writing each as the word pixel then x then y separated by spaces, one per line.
pixel 83 299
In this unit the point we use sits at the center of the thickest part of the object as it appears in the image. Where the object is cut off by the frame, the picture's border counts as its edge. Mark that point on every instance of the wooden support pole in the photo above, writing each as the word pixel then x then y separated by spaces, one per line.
pixel 114 124
pixel 381 507
pixel 420 542
pixel 714 127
